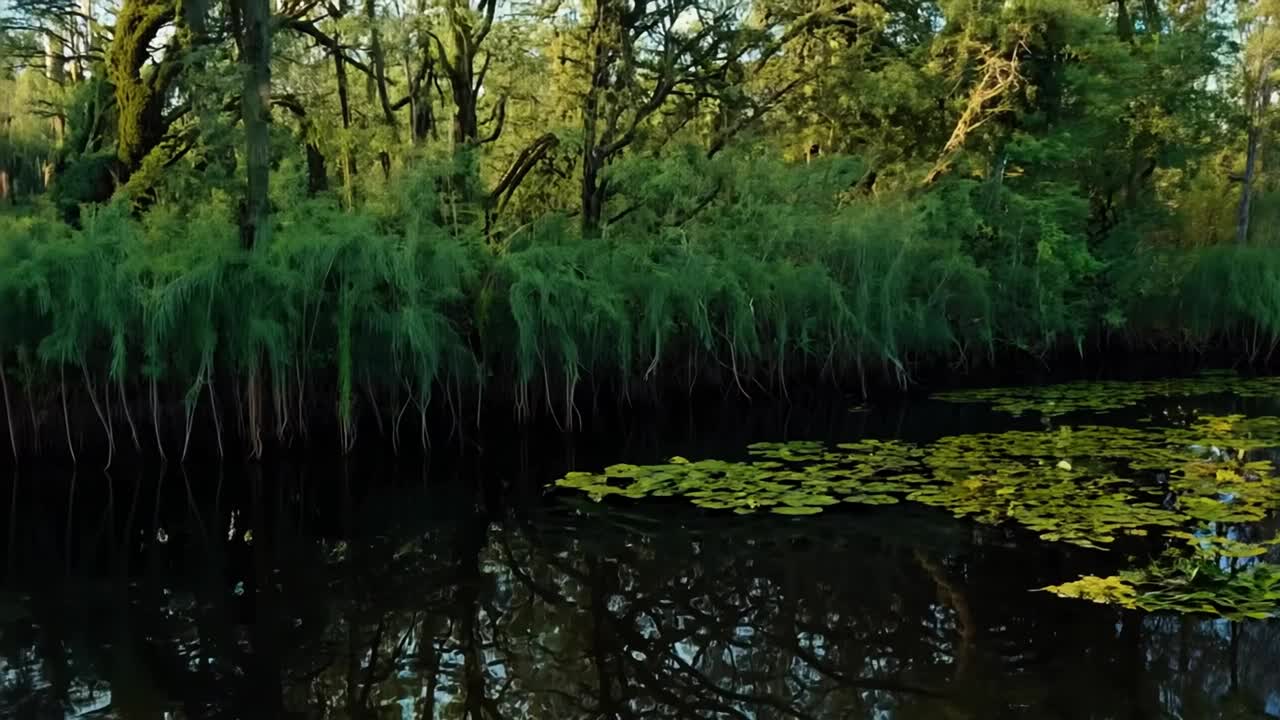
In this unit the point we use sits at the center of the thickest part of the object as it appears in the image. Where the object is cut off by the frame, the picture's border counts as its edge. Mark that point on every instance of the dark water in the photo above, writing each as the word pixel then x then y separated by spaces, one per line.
pixel 360 589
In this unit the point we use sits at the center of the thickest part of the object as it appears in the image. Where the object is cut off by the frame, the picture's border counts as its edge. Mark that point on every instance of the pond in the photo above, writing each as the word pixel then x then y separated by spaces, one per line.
pixel 1076 551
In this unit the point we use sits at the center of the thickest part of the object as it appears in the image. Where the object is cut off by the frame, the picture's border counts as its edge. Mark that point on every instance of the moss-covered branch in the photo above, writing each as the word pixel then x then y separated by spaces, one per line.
pixel 139 99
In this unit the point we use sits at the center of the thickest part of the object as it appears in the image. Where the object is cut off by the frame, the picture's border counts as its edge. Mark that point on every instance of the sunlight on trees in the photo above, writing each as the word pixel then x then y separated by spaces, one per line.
pixel 439 196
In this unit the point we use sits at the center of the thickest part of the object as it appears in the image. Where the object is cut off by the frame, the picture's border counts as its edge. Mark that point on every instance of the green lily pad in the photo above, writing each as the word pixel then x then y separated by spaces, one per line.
pixel 1085 485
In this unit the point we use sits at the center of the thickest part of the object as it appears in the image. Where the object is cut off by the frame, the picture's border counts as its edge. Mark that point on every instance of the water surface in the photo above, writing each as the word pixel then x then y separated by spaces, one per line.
pixel 363 589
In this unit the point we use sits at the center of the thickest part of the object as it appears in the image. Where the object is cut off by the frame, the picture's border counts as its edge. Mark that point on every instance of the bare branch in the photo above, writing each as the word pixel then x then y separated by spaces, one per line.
pixel 1000 76
pixel 724 136
pixel 520 168
pixel 501 114
pixel 308 28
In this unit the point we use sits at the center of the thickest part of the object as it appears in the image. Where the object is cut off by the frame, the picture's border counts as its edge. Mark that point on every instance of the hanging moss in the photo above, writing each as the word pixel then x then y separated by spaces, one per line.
pixel 140 96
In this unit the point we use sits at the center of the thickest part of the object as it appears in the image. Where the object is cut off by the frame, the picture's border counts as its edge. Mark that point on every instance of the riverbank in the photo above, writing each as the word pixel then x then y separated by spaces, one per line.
pixel 144 332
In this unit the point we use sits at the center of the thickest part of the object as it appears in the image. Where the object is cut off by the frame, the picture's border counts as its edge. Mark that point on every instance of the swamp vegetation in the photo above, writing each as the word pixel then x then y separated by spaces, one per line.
pixel 231 227
pixel 246 221
pixel 1199 484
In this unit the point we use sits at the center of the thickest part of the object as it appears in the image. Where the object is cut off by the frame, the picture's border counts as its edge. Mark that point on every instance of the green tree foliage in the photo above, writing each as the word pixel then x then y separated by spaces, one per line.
pixel 436 198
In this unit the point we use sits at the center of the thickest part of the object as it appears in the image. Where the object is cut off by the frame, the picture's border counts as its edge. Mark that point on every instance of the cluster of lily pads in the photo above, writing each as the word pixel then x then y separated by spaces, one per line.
pixel 1219 580
pixel 1086 486
pixel 1082 485
pixel 798 478
pixel 1060 399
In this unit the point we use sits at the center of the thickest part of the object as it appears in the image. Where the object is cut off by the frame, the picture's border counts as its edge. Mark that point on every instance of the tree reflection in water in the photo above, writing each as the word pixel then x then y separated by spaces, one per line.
pixel 249 595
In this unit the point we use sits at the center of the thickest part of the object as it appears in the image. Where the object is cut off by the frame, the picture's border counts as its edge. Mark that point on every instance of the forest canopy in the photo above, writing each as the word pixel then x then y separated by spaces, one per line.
pixel 415 197
pixel 1151 116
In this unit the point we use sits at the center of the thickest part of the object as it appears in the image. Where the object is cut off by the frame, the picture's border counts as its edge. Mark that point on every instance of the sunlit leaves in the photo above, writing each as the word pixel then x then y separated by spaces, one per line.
pixel 1196 584
pixel 1109 590
pixel 1085 486
pixel 790 479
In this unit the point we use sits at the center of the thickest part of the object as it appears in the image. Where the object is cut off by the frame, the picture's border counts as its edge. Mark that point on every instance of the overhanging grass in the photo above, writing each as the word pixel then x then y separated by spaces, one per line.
pixel 127 327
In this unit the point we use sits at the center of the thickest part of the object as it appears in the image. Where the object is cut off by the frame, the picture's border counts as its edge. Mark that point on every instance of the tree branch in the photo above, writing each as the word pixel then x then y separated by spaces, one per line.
pixel 309 29
pixel 490 10
pixel 501 112
pixel 724 136
pixel 520 167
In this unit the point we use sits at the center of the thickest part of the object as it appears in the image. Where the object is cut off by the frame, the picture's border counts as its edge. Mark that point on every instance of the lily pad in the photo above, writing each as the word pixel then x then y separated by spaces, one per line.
pixel 1064 398
pixel 1083 485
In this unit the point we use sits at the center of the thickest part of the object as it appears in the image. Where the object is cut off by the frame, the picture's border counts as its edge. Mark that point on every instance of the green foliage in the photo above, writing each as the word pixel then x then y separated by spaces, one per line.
pixel 1212 580
pixel 1234 288
pixel 852 474
pixel 779 271
pixel 174 297
pixel 1199 487
pixel 1064 398
pixel 781 190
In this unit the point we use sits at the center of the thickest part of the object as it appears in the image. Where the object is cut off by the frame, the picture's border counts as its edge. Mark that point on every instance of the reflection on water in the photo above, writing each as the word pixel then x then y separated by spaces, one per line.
pixel 263 594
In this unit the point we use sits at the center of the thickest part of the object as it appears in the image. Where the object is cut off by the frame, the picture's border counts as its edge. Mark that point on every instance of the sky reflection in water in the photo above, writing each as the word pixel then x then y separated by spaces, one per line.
pixel 278 593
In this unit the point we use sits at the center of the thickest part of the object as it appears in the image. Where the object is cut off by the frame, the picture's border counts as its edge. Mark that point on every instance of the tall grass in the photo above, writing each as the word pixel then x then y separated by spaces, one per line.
pixel 140 332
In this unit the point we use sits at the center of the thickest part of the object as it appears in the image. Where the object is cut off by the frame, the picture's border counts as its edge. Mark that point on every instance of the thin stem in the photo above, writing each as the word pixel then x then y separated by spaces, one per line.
pixel 66 417
pixel 8 411
pixel 155 418
pixel 217 422
pixel 93 399
pixel 124 402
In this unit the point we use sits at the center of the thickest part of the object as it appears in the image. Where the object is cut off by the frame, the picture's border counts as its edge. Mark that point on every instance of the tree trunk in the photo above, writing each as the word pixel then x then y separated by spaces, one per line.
pixel 1245 209
pixel 55 71
pixel 1124 23
pixel 317 167
pixel 256 101
pixel 139 101
pixel 317 171
pixel 592 192
pixel 54 61
pixel 1151 17
pixel 466 123
pixel 592 158
pixel 378 83
pixel 516 173
pixel 466 130
pixel 461 69
pixel 348 160
pixel 421 108
pixel 86 40
pixel 379 57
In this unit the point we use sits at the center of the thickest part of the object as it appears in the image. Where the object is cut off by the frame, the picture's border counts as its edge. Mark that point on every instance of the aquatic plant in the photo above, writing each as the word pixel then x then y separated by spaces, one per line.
pixel 1081 485
pixel 1220 576
pixel 1084 486
pixel 792 479
pixel 1094 396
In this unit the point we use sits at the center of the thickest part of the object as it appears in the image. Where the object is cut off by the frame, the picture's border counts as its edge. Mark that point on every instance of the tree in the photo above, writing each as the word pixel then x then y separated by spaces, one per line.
pixel 255 45
pixel 1260 26
pixel 637 60
pixel 467 28
pixel 140 99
